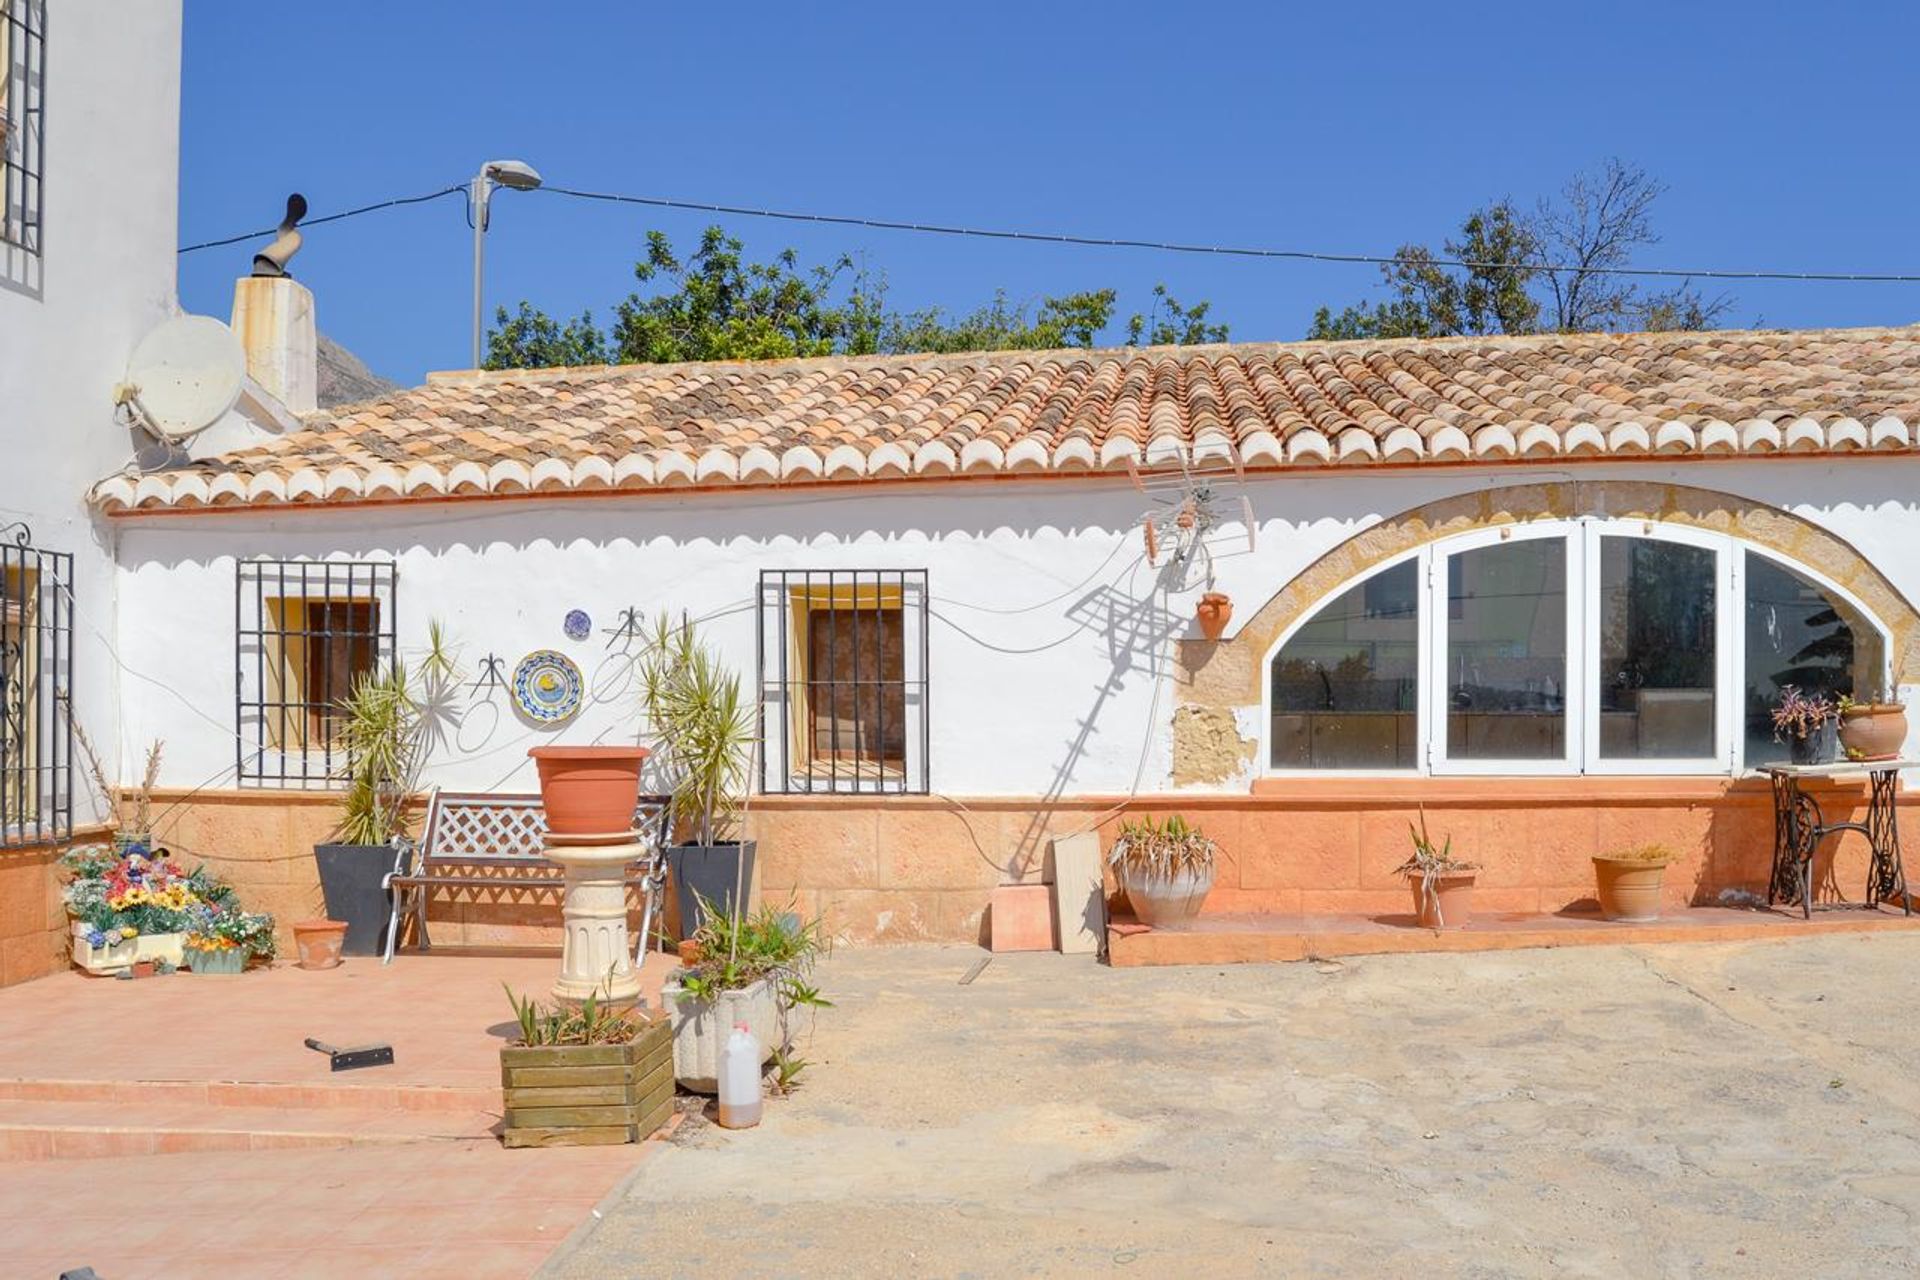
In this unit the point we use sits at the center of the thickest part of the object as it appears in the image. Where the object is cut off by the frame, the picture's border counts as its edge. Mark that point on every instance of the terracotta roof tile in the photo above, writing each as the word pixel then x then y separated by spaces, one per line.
pixel 1292 404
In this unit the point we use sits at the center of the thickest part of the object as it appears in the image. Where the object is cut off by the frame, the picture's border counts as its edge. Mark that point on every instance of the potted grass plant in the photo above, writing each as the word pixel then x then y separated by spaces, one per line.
pixel 1442 884
pixel 391 720
pixel 704 732
pixel 1628 882
pixel 1166 868
pixel 584 1075
pixel 753 969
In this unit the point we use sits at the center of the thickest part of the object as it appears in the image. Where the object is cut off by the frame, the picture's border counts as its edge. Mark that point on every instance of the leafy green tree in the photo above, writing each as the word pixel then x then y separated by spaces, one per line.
pixel 715 304
pixel 1551 270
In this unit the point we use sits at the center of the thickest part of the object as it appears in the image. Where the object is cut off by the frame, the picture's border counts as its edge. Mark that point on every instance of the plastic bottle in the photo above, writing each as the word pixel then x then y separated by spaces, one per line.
pixel 740 1079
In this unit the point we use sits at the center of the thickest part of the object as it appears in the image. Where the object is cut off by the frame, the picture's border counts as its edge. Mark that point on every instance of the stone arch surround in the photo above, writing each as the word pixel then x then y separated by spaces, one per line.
pixel 1220 677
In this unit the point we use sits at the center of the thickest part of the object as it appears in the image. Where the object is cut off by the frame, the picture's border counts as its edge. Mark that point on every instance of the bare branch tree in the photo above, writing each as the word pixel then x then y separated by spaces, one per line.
pixel 1597 223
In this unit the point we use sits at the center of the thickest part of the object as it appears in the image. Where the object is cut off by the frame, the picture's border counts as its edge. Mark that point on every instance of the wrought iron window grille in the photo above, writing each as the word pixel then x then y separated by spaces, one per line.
pixel 305 630
pixel 36 671
pixel 23 82
pixel 842 662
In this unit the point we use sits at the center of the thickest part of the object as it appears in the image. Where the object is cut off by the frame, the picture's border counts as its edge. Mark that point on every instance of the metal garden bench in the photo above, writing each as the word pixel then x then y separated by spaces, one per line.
pixel 479 840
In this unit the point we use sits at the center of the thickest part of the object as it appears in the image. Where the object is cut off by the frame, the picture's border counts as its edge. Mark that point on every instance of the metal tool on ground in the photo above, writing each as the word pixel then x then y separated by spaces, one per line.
pixel 365 1055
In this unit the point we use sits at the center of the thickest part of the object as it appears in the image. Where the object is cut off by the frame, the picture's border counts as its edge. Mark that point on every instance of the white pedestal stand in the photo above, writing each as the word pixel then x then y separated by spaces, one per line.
pixel 596 959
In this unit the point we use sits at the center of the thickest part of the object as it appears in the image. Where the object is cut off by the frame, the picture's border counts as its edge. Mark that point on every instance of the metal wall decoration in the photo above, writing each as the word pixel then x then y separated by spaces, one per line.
pixel 492 676
pixel 578 625
pixel 547 686
pixel 628 629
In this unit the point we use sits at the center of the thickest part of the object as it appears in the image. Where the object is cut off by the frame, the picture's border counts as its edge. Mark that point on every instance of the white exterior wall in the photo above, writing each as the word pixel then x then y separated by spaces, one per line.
pixel 1050 638
pixel 70 316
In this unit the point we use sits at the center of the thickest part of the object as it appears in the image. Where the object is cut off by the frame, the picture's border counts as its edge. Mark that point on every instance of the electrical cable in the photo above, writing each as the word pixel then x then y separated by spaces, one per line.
pixel 331 217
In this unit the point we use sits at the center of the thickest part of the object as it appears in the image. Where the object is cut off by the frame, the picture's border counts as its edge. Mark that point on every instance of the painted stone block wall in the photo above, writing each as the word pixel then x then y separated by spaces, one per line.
pixel 33 922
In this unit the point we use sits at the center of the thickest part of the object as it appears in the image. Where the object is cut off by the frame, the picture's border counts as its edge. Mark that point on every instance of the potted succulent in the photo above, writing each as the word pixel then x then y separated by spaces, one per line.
pixel 1165 867
pixel 753 969
pixel 584 1075
pixel 704 728
pixel 1873 730
pixel 1442 884
pixel 1808 725
pixel 1628 882
pixel 391 720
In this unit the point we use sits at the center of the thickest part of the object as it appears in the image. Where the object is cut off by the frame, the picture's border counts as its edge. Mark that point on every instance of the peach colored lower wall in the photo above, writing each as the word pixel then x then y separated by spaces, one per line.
pixel 33 919
pixel 920 868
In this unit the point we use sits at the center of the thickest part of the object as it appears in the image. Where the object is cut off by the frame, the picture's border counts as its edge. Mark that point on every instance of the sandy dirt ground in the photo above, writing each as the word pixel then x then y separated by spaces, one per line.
pixel 1685 1111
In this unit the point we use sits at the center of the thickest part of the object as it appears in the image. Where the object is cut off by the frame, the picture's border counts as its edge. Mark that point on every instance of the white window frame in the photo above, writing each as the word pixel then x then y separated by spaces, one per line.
pixel 1581 538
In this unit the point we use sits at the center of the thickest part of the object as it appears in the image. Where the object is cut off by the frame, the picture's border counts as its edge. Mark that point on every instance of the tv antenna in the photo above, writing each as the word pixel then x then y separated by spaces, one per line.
pixel 1191 505
pixel 184 377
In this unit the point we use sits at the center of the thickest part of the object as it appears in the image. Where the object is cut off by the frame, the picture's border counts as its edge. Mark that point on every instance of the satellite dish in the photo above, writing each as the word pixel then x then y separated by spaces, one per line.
pixel 184 377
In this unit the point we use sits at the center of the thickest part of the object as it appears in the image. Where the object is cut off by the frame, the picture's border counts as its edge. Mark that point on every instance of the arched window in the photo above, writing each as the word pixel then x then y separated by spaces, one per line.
pixel 1594 645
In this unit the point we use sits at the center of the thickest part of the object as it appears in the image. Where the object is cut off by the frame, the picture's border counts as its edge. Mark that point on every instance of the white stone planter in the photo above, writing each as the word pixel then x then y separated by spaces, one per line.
pixel 171 947
pixel 124 953
pixel 700 1027
pixel 1165 903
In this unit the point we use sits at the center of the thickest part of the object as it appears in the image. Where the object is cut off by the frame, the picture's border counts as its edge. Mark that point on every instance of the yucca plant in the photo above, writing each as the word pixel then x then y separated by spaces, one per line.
pixel 704 730
pixel 390 722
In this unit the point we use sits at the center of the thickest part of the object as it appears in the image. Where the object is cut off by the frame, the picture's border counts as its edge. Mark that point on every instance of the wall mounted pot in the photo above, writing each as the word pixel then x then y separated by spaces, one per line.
pixel 318 942
pixel 1628 888
pixel 1444 903
pixel 1214 612
pixel 1164 902
pixel 709 871
pixel 351 882
pixel 589 791
pixel 1873 732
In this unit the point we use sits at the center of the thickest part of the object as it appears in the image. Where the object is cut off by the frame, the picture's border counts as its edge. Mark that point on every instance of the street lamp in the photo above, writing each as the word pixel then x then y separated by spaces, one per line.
pixel 515 175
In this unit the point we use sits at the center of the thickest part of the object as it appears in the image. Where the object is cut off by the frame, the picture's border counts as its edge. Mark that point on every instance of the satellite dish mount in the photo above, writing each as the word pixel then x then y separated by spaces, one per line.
pixel 183 377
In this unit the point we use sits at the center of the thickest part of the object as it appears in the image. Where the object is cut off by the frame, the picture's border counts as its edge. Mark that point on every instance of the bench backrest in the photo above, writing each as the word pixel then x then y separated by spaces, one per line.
pixel 481 828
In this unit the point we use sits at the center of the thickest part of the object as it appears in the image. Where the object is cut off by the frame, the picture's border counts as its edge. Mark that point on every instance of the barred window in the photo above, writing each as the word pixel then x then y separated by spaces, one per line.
pixel 843 681
pixel 36 728
pixel 306 632
pixel 23 75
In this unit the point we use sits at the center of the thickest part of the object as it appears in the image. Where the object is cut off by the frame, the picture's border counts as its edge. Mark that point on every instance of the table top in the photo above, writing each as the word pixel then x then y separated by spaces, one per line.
pixel 1839 768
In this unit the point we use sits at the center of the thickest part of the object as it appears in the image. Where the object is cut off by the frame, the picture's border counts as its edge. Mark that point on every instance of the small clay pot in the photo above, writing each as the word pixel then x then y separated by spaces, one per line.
pixel 1449 905
pixel 1214 611
pixel 689 952
pixel 589 791
pixel 1876 732
pixel 142 969
pixel 318 942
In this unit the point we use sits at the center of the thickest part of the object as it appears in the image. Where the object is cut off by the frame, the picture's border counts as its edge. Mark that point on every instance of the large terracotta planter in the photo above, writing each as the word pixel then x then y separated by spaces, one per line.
pixel 1214 612
pixel 1448 904
pixel 589 791
pixel 1629 888
pixel 1876 732
pixel 1164 902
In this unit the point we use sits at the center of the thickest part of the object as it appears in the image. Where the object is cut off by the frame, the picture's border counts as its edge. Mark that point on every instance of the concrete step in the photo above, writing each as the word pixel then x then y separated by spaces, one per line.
pixel 35 1130
pixel 369 1096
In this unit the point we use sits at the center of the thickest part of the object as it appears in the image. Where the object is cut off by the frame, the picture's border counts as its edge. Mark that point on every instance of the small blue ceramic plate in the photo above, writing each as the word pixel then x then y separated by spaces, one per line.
pixel 578 624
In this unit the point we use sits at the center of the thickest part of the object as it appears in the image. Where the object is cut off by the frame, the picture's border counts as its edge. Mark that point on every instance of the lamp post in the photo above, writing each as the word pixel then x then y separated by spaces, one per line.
pixel 515 175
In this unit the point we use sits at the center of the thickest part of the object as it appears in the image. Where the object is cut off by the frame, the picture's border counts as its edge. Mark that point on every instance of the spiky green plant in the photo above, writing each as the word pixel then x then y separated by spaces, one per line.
pixel 703 727
pixel 1162 850
pixel 390 721
pixel 593 1022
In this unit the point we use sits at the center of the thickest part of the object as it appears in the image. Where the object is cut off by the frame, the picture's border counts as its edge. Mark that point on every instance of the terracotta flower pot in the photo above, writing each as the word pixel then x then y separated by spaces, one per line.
pixel 1450 903
pixel 1214 611
pixel 1875 732
pixel 318 942
pixel 589 791
pixel 1629 888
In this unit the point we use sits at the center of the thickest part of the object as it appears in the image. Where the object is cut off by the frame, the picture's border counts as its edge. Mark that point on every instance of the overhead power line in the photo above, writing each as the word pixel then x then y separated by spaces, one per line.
pixel 331 217
pixel 1108 242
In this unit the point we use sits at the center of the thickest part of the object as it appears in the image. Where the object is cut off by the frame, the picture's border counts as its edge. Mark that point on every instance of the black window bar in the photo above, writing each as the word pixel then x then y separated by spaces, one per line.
pixel 36 670
pixel 305 631
pixel 23 85
pixel 841 656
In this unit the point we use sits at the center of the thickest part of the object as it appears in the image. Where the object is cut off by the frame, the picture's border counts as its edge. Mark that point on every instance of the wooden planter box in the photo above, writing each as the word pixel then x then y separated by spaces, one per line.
pixel 588 1095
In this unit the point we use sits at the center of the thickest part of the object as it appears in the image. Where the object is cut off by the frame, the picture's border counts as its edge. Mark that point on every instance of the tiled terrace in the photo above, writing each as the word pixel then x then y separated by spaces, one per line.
pixel 179 1126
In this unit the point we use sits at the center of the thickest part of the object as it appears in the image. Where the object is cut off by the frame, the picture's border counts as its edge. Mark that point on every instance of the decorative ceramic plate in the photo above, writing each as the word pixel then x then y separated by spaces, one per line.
pixel 547 686
pixel 578 625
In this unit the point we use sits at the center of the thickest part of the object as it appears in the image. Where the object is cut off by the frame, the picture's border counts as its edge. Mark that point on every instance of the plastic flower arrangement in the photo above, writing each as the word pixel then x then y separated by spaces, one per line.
pixel 131 889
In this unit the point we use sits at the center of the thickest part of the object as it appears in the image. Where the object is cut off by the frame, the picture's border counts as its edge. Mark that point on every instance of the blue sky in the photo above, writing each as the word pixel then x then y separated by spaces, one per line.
pixel 1784 131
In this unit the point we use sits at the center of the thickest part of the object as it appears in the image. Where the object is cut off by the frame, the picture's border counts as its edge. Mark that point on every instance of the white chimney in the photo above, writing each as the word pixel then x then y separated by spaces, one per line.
pixel 274 317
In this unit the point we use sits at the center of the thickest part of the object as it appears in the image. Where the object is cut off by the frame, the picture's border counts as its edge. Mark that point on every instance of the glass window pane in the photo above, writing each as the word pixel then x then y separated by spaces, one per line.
pixel 1345 687
pixel 1657 649
pixel 1800 634
pixel 1506 655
